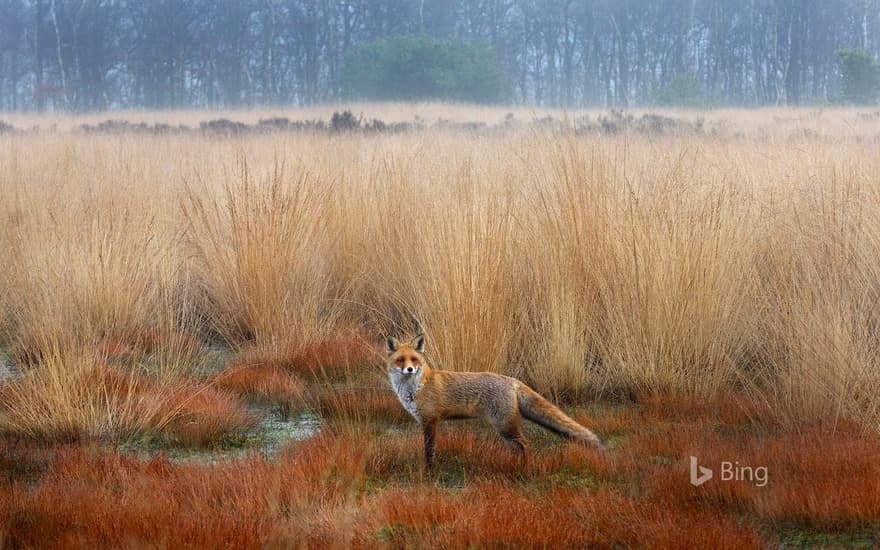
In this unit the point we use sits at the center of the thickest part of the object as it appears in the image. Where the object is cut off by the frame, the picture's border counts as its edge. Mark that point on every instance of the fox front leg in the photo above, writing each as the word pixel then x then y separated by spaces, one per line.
pixel 429 429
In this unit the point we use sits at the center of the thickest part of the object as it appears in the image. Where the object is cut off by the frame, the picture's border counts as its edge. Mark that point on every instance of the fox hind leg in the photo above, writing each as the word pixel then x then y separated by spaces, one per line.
pixel 514 438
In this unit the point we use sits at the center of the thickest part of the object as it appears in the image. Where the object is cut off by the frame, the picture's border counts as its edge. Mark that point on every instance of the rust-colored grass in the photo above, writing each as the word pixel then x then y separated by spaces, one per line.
pixel 201 416
pixel 336 357
pixel 822 476
pixel 263 382
pixel 492 514
pixel 90 496
pixel 365 488
pixel 330 359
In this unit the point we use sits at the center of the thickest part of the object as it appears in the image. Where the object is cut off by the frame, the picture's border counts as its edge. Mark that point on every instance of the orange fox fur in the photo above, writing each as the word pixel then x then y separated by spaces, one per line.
pixel 432 395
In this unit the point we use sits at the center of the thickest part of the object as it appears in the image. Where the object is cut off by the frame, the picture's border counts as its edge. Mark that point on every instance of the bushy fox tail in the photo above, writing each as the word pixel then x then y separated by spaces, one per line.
pixel 546 414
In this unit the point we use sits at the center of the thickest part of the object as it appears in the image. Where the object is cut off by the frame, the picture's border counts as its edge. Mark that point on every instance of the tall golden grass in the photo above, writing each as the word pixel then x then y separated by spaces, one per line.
pixel 590 266
pixel 256 254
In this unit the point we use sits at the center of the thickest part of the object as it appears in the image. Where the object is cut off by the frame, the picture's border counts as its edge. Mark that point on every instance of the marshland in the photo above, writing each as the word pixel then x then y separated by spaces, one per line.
pixel 192 325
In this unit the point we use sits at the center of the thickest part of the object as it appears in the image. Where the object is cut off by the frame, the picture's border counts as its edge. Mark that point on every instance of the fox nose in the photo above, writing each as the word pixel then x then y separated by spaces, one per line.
pixel 409 370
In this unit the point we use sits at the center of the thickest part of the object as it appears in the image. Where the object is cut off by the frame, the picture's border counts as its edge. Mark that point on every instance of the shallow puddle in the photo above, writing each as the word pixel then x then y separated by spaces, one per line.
pixel 7 371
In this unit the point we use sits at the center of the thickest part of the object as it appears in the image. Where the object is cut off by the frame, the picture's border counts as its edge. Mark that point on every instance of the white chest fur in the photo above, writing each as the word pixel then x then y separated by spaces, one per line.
pixel 407 388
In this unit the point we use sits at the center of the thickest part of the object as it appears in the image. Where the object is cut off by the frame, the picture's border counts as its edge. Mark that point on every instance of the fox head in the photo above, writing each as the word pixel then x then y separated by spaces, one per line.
pixel 405 359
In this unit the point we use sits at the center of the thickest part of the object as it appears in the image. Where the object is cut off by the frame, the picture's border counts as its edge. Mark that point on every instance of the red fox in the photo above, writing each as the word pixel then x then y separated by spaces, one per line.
pixel 433 395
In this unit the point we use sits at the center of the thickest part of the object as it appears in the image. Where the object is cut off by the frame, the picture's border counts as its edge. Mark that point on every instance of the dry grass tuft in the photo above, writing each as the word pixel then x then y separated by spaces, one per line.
pixel 89 399
pixel 78 397
pixel 256 251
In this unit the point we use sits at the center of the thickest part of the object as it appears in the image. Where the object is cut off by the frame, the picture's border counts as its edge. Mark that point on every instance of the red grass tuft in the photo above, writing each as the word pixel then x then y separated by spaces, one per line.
pixel 335 358
pixel 263 382
pixel 200 416
pixel 331 354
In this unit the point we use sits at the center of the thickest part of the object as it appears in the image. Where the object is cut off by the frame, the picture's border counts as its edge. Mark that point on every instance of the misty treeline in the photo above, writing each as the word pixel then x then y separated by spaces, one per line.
pixel 98 54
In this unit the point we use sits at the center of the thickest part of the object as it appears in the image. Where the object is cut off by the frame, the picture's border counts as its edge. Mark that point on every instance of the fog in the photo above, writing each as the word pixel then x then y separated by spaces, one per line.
pixel 85 55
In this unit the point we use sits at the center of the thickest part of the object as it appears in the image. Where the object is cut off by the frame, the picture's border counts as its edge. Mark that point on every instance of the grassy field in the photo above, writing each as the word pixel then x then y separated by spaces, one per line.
pixel 704 287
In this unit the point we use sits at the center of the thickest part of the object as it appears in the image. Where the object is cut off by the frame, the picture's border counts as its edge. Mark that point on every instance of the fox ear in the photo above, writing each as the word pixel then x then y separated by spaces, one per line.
pixel 391 344
pixel 419 343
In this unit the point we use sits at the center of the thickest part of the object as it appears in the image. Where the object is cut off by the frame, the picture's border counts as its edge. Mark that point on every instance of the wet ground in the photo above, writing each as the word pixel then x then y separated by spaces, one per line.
pixel 268 437
pixel 7 371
